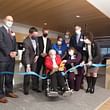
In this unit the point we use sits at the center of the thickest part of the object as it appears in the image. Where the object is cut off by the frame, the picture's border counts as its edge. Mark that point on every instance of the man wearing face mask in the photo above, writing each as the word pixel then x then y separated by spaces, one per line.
pixel 44 47
pixel 8 52
pixel 60 47
pixel 78 44
pixel 29 60
pixel 75 40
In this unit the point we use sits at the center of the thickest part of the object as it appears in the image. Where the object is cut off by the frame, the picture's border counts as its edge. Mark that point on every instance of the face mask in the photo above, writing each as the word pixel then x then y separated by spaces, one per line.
pixel 53 56
pixel 71 53
pixel 78 32
pixel 67 36
pixel 59 42
pixel 8 24
pixel 45 34
pixel 33 37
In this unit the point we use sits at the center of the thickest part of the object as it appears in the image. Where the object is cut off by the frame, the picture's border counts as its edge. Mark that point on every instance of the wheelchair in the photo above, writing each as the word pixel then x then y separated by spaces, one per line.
pixel 52 94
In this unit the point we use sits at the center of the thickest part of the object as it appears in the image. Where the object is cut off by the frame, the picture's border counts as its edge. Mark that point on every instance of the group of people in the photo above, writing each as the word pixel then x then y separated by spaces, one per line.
pixel 41 56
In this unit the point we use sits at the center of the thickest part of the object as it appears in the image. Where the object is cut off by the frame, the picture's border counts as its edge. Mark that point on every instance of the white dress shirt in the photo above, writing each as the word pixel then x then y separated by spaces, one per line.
pixel 45 43
pixel 34 44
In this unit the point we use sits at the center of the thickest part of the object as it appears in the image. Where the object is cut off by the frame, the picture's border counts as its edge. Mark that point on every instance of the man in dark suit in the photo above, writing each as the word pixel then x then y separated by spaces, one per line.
pixel 29 59
pixel 76 41
pixel 44 47
pixel 8 52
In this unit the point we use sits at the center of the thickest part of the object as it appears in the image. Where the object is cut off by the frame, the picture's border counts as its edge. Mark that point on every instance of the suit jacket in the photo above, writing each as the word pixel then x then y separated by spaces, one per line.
pixel 41 45
pixel 95 52
pixel 29 52
pixel 7 44
pixel 79 46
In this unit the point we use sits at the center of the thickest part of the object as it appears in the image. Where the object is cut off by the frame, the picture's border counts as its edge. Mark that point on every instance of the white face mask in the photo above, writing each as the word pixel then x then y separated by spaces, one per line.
pixel 53 56
pixel 71 52
pixel 8 24
pixel 59 42
pixel 78 32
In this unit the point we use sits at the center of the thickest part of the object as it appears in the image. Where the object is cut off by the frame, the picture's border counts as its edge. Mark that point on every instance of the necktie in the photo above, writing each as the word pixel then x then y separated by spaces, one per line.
pixel 9 32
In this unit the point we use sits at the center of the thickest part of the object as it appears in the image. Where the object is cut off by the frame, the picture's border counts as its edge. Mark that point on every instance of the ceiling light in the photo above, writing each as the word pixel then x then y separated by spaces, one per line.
pixel 45 23
pixel 77 16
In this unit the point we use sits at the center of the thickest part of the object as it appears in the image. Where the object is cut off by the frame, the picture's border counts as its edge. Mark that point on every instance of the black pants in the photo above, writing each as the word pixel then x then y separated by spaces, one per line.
pixel 27 78
pixel 40 64
pixel 6 80
pixel 78 79
pixel 57 80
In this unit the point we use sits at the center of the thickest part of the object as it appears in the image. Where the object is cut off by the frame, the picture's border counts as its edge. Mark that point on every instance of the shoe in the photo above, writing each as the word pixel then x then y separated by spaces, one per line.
pixel 92 90
pixel 12 95
pixel 37 90
pixel 82 86
pixel 87 90
pixel 26 93
pixel 67 93
pixel 3 100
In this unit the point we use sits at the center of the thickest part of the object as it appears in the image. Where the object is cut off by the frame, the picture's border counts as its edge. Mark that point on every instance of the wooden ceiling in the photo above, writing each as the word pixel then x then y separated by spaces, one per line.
pixel 59 14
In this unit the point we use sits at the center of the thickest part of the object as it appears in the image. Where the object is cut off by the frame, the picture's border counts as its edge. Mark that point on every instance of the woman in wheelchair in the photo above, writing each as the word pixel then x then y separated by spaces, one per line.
pixel 52 63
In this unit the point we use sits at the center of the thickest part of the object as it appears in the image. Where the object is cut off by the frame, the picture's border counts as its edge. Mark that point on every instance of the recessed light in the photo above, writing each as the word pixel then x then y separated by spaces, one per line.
pixel 77 16
pixel 45 23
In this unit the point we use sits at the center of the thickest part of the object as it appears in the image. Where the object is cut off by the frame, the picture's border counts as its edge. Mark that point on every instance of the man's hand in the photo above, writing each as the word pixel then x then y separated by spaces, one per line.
pixel 13 54
pixel 43 54
pixel 35 59
pixel 28 68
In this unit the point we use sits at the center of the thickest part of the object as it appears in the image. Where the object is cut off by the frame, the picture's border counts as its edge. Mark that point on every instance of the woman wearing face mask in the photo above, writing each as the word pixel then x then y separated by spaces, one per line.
pixel 91 55
pixel 60 47
pixel 74 78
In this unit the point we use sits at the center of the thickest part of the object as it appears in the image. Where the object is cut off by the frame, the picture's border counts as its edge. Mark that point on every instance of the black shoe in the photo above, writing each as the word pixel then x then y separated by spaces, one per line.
pixel 92 90
pixel 26 93
pixel 36 90
pixel 87 90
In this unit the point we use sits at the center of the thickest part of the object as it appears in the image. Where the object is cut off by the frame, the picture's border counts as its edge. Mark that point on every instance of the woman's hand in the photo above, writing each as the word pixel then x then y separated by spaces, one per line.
pixel 89 63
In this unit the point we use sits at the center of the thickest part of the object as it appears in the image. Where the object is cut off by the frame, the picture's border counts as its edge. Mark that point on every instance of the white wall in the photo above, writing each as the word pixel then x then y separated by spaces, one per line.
pixel 101 5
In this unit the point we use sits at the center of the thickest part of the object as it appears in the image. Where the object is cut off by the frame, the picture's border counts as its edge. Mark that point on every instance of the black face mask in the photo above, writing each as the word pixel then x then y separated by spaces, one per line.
pixel 45 35
pixel 33 37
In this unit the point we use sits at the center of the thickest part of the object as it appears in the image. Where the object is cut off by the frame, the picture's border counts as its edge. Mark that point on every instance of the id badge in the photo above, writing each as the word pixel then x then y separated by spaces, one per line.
pixel 60 52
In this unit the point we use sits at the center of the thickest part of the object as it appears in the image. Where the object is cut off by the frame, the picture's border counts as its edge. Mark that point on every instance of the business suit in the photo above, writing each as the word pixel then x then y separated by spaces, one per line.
pixel 41 59
pixel 28 56
pixel 78 45
pixel 7 45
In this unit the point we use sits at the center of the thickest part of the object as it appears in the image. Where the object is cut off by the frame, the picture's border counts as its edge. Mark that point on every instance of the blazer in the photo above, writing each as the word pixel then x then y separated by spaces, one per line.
pixel 29 52
pixel 41 45
pixel 7 44
pixel 78 46
pixel 95 52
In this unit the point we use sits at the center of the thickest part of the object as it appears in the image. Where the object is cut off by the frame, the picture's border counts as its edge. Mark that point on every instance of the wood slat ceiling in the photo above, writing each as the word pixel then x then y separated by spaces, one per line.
pixel 59 14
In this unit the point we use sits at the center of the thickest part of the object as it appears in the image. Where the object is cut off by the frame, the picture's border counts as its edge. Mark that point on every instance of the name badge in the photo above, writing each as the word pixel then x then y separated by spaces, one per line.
pixel 84 48
pixel 60 52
